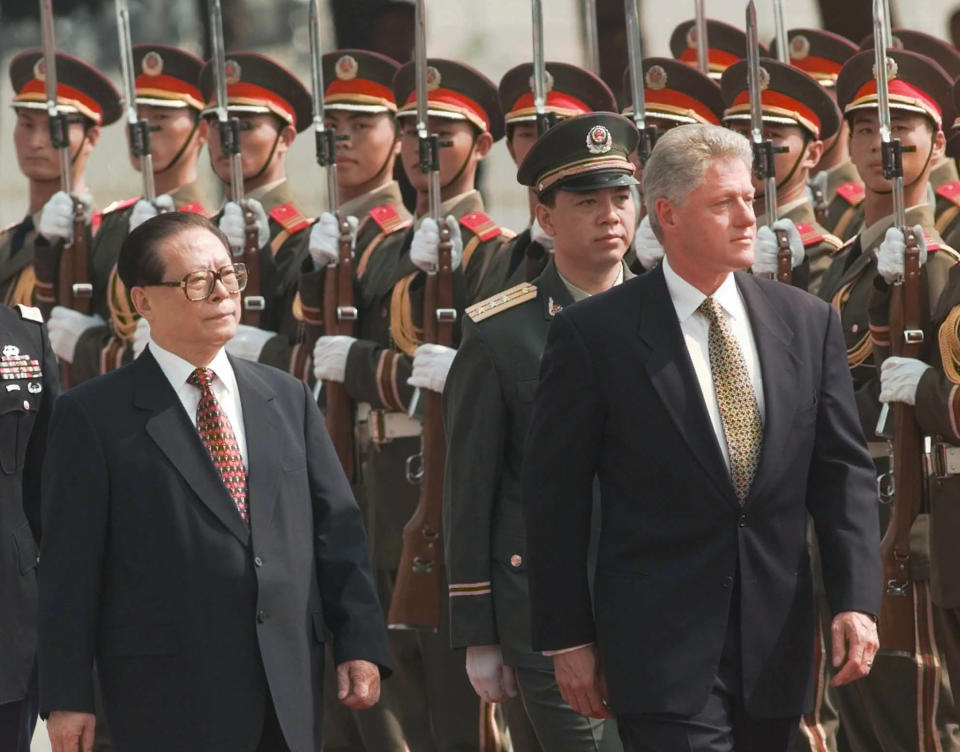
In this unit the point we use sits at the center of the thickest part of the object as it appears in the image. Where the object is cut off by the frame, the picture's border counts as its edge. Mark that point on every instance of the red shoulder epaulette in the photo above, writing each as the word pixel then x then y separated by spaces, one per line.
pixel 481 225
pixel 290 217
pixel 809 234
pixel 388 219
pixel 193 208
pixel 852 193
pixel 96 220
pixel 932 245
pixel 950 191
pixel 124 204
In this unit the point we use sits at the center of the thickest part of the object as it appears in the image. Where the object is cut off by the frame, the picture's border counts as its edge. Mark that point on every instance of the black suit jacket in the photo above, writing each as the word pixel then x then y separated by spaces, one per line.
pixel 193 620
pixel 618 399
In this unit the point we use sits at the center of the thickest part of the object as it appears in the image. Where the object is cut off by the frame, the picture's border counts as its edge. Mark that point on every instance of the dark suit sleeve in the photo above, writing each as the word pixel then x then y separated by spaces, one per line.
pixel 75 512
pixel 560 462
pixel 350 604
pixel 841 488
pixel 36 449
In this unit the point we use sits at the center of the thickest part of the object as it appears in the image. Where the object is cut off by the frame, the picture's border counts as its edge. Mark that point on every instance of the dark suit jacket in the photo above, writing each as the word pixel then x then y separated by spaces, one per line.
pixel 193 620
pixel 618 398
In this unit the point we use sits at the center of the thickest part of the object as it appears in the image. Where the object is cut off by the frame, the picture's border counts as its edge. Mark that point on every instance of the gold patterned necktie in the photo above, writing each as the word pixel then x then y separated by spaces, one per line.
pixel 735 396
pixel 218 437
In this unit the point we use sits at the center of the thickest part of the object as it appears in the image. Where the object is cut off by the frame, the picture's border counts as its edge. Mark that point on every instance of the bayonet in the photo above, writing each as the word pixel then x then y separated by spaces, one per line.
pixel 229 127
pixel 648 134
pixel 138 129
pixel 703 48
pixel 59 123
pixel 593 36
pixel 326 138
pixel 783 53
pixel 545 119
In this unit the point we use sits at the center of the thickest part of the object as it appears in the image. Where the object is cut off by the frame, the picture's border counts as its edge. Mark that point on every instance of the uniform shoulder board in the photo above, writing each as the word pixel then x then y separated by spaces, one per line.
pixel 481 225
pixel 30 313
pixel 123 204
pixel 289 217
pixel 852 193
pixel 844 245
pixel 194 207
pixel 934 243
pixel 502 301
pixel 388 219
pixel 950 191
pixel 809 234
pixel 95 221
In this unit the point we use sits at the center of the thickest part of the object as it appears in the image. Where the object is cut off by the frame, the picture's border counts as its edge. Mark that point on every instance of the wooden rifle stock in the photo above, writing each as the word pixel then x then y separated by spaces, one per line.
pixel 417 593
pixel 253 303
pixel 340 315
pixel 896 627
pixel 73 281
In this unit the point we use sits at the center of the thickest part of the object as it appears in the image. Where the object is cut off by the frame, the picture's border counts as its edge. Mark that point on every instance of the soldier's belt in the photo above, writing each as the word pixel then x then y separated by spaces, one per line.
pixel 945 459
pixel 387 425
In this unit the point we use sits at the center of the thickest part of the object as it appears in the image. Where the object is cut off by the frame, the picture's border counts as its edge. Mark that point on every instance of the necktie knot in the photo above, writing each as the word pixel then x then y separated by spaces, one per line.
pixel 712 310
pixel 201 377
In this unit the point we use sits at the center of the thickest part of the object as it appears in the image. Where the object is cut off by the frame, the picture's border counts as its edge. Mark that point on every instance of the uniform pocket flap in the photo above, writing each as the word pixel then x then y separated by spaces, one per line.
pixel 148 640
pixel 27 551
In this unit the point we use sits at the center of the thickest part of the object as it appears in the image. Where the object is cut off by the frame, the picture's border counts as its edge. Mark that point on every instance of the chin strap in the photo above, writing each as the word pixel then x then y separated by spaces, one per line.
pixel 183 149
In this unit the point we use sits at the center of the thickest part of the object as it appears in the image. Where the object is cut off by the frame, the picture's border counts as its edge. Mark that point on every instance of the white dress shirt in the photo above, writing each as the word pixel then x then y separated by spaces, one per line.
pixel 696 328
pixel 224 387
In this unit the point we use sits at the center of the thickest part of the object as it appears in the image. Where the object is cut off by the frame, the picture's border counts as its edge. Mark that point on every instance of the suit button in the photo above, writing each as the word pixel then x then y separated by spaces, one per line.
pixel 727 581
pixel 261 616
pixel 743 520
pixel 257 561
pixel 516 560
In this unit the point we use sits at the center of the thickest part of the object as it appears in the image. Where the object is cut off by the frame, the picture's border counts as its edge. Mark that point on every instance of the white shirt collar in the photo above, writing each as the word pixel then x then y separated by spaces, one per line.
pixel 687 298
pixel 177 370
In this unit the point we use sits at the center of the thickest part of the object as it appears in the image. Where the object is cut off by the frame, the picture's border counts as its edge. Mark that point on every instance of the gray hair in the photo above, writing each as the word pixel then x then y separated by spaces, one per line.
pixel 681 158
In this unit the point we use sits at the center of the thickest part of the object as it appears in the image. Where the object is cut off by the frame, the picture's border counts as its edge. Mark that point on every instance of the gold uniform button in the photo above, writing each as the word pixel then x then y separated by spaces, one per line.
pixel 516 560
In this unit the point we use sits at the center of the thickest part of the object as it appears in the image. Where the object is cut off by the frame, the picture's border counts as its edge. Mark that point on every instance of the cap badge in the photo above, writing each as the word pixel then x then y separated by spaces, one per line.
pixel 40 69
pixel 897 43
pixel 34 387
pixel 692 37
pixel 433 78
pixel 152 63
pixel 892 69
pixel 347 68
pixel 799 47
pixel 764 79
pixel 553 308
pixel 547 82
pixel 232 71
pixel 599 140
pixel 656 77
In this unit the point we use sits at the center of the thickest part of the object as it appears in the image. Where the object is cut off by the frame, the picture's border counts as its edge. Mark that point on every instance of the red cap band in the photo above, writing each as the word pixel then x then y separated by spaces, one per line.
pixel 245 93
pixel 173 87
pixel 785 104
pixel 556 100
pixel 678 100
pixel 715 57
pixel 66 95
pixel 359 86
pixel 454 100
pixel 901 90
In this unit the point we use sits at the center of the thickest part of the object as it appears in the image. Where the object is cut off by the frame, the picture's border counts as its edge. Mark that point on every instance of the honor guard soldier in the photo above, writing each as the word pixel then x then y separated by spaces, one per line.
pixel 273 107
pixel 571 91
pixel 896 706
pixel 30 384
pixel 837 191
pixel 674 94
pixel 798 116
pixel 582 175
pixel 948 196
pixel 726 45
pixel 169 99
pixel 90 102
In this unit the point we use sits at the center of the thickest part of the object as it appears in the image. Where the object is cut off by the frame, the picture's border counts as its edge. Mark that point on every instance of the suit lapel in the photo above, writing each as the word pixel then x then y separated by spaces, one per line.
pixel 175 435
pixel 668 366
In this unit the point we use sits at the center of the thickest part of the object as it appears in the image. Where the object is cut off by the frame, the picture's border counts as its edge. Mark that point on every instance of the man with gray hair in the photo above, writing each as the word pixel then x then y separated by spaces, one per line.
pixel 716 411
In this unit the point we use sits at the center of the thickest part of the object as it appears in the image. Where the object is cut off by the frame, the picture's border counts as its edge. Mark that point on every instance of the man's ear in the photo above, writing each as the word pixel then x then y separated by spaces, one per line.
pixel 141 301
pixel 483 145
pixel 287 136
pixel 203 132
pixel 545 219
pixel 939 147
pixel 814 152
pixel 666 214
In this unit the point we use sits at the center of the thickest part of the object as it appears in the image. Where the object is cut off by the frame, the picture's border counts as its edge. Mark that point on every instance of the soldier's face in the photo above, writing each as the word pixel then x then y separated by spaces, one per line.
pixel 37 158
pixel 793 157
pixel 258 134
pixel 366 146
pixel 913 130
pixel 522 138
pixel 170 128
pixel 460 150
pixel 595 227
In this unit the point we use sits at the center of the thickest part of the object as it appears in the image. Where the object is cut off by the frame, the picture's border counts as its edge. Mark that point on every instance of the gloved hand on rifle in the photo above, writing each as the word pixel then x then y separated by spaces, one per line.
pixel 765 247
pixel 649 250
pixel 248 342
pixel 891 252
pixel 330 357
pixel 425 247
pixel 233 223
pixel 491 679
pixel 56 218
pixel 141 337
pixel 431 363
pixel 65 328
pixel 325 239
pixel 899 379
pixel 144 210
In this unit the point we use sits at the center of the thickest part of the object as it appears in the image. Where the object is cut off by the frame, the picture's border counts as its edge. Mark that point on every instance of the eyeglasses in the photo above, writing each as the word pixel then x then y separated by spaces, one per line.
pixel 199 285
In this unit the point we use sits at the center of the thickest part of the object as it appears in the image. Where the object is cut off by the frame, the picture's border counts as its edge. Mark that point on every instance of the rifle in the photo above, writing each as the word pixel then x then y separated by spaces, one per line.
pixel 906 476
pixel 545 120
pixel 593 36
pixel 138 129
pixel 703 49
pixel 763 149
pixel 249 254
pixel 648 133
pixel 339 311
pixel 783 53
pixel 417 593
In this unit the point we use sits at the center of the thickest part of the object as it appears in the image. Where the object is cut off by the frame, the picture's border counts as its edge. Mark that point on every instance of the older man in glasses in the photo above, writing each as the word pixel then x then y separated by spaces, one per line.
pixel 200 539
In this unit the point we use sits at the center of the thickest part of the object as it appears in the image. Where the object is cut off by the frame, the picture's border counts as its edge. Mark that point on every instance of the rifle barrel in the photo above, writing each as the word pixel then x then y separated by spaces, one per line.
pixel 593 36
pixel 703 47
pixel 635 56
pixel 59 128
pixel 783 53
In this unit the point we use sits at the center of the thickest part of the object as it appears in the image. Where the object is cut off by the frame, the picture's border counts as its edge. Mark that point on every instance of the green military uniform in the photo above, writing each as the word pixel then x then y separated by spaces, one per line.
pixel 16 261
pixel 819 246
pixel 840 194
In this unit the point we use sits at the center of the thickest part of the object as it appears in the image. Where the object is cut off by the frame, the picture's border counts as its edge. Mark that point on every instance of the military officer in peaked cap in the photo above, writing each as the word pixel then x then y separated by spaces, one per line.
pixel 169 99
pixel 948 197
pixel 581 173
pixel 726 45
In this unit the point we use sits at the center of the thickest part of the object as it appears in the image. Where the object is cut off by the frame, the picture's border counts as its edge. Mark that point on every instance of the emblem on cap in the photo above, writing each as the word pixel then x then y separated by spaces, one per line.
pixel 232 71
pixel 433 78
pixel 152 63
pixel 897 43
pixel 692 37
pixel 656 77
pixel 347 68
pixel 799 47
pixel 892 68
pixel 599 140
pixel 40 69
pixel 547 82
pixel 764 79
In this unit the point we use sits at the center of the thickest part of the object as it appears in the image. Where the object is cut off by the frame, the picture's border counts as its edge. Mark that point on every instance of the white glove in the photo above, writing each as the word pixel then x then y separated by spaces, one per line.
pixel 248 342
pixel 649 250
pixel 425 247
pixel 234 225
pixel 899 379
pixel 765 248
pixel 141 336
pixel 892 249
pixel 325 239
pixel 144 210
pixel 431 363
pixel 56 219
pixel 65 327
pixel 330 357
pixel 491 679
pixel 539 235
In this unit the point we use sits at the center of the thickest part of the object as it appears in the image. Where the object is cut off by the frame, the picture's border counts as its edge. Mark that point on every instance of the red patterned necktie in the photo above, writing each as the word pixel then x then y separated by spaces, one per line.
pixel 219 439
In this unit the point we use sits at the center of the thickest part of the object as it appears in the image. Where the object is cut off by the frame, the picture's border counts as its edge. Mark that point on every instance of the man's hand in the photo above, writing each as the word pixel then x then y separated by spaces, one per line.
pixel 431 364
pixel 891 252
pixel 899 378
pixel 325 239
pixel 248 341
pixel 581 681
pixel 70 731
pixel 65 328
pixel 766 249
pixel 233 223
pixel 855 635
pixel 358 684
pixel 425 246
pixel 492 680
pixel 330 357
